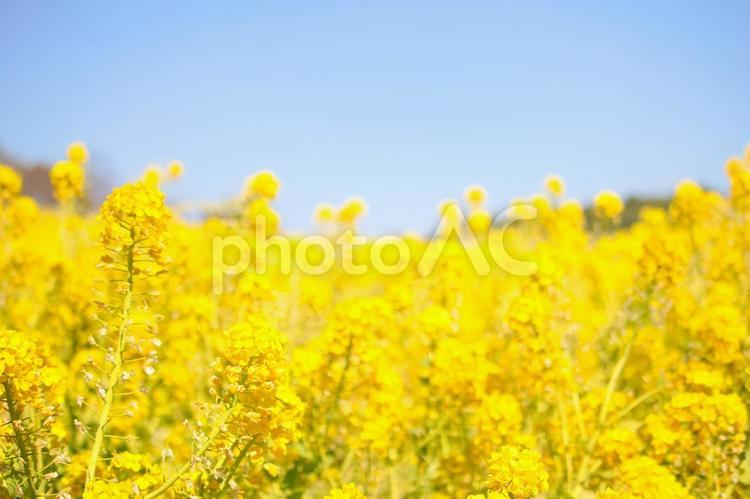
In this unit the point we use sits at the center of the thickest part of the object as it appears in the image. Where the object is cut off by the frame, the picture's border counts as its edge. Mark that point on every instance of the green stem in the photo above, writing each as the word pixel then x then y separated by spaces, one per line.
pixel 186 467
pixel 39 457
pixel 566 439
pixel 637 402
pixel 25 457
pixel 347 362
pixel 394 482
pixel 223 462
pixel 235 465
pixel 614 378
pixel 334 405
pixel 114 376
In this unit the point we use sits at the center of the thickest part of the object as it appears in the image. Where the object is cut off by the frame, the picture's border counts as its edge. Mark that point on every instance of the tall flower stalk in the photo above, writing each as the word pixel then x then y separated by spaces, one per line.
pixel 135 222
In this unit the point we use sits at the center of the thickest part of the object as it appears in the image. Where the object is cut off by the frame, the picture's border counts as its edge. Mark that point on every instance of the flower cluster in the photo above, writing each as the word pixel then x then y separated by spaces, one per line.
pixel 135 216
pixel 17 212
pixel 252 380
pixel 30 383
pixel 607 204
pixel 68 177
pixel 348 491
pixel 644 478
pixel 517 472
pixel 700 434
pixel 10 183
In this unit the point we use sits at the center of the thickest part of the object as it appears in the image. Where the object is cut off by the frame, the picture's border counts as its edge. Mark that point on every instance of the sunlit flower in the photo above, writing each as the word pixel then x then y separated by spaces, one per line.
pixel 175 169
pixel 10 183
pixel 348 491
pixel 518 472
pixel 135 214
pixel 475 195
pixel 324 213
pixel 608 205
pixel 77 153
pixel 152 176
pixel 554 185
pixel 68 180
pixel 263 184
pixel 352 210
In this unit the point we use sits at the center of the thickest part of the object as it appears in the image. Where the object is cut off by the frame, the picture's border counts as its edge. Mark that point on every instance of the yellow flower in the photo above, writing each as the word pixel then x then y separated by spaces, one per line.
pixel 498 421
pixel 27 366
pixel 260 211
pixel 738 171
pixel 541 203
pixel 643 478
pixel 479 221
pixel 31 389
pixel 665 257
pixel 68 180
pixel 263 184
pixel 522 207
pixel 691 204
pixel 348 491
pixel 77 153
pixel 101 489
pixel 475 195
pixel 129 461
pixel 519 472
pixel 252 382
pixel 554 185
pixel 10 183
pixel 352 209
pixel 135 215
pixel 700 433
pixel 572 211
pixel 617 445
pixel 22 213
pixel 151 176
pixel 324 213
pixel 607 204
pixel 175 169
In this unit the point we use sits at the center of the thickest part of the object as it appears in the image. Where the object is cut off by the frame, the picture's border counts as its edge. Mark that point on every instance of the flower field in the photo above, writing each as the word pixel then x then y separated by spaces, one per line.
pixel 617 367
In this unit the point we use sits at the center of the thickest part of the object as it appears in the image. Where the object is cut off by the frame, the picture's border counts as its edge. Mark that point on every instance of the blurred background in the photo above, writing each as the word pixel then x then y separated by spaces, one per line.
pixel 402 103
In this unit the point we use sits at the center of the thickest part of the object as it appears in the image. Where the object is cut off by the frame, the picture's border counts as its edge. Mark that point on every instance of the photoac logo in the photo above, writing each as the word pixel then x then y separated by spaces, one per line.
pixel 252 253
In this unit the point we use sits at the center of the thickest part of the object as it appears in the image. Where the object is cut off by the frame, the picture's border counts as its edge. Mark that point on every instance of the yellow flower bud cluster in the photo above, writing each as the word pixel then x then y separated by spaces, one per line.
pixel 135 216
pixel 517 472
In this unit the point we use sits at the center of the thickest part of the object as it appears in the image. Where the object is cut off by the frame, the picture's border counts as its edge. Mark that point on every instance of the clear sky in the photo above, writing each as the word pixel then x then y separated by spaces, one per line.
pixel 401 102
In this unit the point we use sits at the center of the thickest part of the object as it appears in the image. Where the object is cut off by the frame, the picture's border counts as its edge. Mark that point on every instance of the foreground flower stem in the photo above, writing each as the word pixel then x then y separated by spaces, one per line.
pixel 566 439
pixel 115 374
pixel 15 418
pixel 233 470
pixel 583 471
pixel 186 467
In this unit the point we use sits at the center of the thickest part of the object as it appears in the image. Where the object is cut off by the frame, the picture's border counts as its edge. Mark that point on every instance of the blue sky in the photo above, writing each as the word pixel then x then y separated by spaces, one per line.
pixel 403 103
